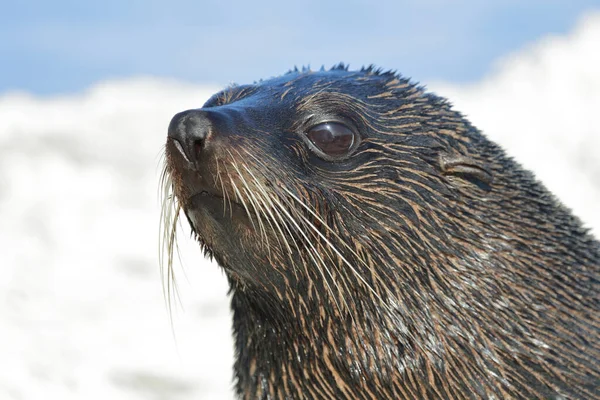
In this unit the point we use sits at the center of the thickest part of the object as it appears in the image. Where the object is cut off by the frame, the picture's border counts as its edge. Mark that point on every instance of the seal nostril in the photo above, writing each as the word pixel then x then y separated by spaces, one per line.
pixel 198 146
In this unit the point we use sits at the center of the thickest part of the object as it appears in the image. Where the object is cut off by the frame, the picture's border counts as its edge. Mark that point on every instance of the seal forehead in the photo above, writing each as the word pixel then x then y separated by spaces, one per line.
pixel 310 82
pixel 297 96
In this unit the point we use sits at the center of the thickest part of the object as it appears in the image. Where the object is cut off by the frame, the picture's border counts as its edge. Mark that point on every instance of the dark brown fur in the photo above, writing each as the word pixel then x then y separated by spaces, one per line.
pixel 427 264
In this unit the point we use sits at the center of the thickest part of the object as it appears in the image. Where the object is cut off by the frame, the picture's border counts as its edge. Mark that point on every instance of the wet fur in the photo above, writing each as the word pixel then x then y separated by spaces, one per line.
pixel 428 264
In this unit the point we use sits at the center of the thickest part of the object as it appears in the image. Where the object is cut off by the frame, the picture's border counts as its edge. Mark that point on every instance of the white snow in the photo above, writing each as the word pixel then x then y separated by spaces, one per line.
pixel 82 314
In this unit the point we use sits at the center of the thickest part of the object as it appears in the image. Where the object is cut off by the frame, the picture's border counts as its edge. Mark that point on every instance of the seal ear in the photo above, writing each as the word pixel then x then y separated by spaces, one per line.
pixel 468 169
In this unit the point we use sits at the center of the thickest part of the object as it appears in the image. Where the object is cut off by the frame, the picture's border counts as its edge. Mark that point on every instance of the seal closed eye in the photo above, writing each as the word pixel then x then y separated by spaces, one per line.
pixel 377 245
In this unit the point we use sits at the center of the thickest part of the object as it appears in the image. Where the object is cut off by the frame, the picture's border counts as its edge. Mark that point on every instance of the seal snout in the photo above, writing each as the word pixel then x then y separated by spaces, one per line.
pixel 190 131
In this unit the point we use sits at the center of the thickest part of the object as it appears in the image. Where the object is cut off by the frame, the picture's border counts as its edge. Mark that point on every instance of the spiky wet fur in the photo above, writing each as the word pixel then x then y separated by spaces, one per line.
pixel 384 275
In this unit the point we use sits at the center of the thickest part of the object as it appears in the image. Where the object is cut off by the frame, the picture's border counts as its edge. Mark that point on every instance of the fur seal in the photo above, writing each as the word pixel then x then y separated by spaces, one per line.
pixel 378 245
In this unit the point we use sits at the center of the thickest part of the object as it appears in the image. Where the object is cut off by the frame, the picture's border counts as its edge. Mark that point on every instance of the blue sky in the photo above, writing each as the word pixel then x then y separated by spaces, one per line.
pixel 62 46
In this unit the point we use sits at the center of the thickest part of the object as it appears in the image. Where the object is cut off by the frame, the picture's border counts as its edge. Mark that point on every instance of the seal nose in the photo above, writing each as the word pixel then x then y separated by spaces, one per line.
pixel 190 129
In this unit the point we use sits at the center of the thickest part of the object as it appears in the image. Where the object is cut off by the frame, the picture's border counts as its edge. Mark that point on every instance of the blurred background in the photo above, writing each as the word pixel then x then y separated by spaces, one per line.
pixel 87 90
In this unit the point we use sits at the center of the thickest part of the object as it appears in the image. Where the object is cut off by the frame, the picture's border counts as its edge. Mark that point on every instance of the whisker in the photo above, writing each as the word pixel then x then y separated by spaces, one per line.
pixel 262 192
pixel 317 264
pixel 169 217
pixel 252 200
pixel 314 229
pixel 242 201
pixel 276 219
pixel 224 193
pixel 328 242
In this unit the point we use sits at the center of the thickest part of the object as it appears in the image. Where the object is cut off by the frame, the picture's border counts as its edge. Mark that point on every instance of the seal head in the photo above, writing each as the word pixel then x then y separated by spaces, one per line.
pixel 378 245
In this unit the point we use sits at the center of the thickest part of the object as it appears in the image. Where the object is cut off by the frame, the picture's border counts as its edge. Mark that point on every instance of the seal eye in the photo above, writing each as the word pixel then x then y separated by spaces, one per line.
pixel 332 138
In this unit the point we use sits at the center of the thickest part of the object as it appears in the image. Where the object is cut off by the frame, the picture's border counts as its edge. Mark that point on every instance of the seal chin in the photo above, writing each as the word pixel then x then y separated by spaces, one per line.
pixel 220 226
pixel 204 196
